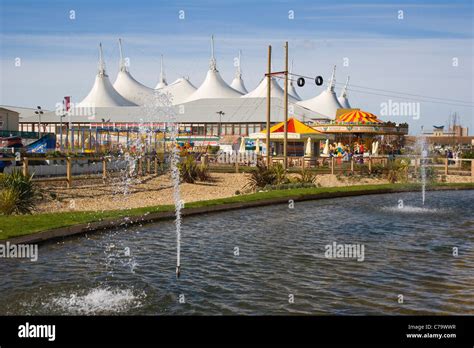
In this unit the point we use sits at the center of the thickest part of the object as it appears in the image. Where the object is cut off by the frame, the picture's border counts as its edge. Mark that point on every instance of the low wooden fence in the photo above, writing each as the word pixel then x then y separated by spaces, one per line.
pixel 356 165
pixel 106 166
pixel 143 165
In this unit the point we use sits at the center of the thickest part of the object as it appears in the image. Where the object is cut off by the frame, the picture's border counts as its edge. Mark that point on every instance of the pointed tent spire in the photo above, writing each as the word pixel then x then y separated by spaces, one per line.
pixel 122 65
pixel 237 82
pixel 128 87
pixel 103 94
pixel 238 72
pixel 212 63
pixel 343 96
pixel 214 85
pixel 101 60
pixel 326 103
pixel 162 72
pixel 332 82
pixel 344 90
pixel 162 80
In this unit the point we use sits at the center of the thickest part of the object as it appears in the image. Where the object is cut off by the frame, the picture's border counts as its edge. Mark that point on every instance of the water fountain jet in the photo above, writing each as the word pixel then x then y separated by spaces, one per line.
pixel 421 144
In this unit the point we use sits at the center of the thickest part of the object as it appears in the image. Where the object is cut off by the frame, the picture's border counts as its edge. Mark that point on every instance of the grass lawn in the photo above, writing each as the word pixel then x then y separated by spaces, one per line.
pixel 18 225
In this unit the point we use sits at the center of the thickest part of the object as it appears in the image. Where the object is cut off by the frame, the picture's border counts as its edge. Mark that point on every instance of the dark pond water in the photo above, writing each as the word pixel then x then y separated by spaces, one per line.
pixel 281 256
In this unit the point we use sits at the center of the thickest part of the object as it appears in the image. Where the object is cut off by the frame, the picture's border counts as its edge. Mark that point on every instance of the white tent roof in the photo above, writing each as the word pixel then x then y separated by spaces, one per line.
pixel 130 88
pixel 276 91
pixel 214 85
pixel 343 97
pixel 237 110
pixel 103 94
pixel 237 82
pixel 179 90
pixel 238 85
pixel 162 81
pixel 325 103
pixel 292 91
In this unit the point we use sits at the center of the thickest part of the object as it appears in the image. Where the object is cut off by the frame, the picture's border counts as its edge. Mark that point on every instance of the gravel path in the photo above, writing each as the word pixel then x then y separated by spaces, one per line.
pixel 116 193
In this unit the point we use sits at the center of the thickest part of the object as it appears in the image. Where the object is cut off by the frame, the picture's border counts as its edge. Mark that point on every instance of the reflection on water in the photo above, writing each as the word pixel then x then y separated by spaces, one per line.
pixel 280 252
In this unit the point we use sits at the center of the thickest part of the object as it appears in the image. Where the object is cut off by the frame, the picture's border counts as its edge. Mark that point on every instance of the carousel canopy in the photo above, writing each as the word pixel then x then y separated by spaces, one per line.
pixel 343 97
pixel 162 81
pixel 130 88
pixel 358 116
pixel 214 85
pixel 296 130
pixel 237 82
pixel 325 103
pixel 294 126
pixel 103 94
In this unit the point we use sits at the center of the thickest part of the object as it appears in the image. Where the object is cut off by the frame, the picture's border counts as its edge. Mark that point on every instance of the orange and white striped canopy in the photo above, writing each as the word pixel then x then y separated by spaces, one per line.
pixel 294 126
pixel 357 116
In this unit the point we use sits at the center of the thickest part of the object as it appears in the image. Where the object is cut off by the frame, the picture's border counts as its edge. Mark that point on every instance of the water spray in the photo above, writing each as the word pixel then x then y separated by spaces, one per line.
pixel 175 175
pixel 423 156
pixel 162 104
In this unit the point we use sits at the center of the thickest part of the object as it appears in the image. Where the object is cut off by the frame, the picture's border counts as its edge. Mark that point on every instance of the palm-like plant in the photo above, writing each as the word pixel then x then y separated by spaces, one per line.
pixel 262 176
pixel 280 174
pixel 18 193
pixel 306 176
pixel 397 170
pixel 190 171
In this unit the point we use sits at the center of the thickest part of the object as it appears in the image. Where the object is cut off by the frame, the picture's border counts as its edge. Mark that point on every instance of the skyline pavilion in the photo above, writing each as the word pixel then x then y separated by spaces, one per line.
pixel 214 108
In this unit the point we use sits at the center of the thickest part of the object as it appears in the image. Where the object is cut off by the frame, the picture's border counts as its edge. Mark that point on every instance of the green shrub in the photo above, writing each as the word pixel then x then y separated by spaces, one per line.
pixel 18 193
pixel 190 171
pixel 306 176
pixel 430 174
pixel 213 149
pixel 9 200
pixel 397 170
pixel 260 177
pixel 378 170
pixel 468 154
pixel 280 174
pixel 203 173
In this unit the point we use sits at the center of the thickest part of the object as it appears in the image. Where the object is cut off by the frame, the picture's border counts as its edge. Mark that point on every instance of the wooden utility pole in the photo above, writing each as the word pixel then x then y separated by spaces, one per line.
pixel 285 140
pixel 69 172
pixel 269 96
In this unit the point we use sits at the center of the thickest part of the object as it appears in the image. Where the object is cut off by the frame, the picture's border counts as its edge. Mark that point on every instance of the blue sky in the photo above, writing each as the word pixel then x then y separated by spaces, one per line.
pixel 413 55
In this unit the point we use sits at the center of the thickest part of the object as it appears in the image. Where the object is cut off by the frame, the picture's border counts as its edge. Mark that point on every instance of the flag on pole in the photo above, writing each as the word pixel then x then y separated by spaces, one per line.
pixel 67 102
